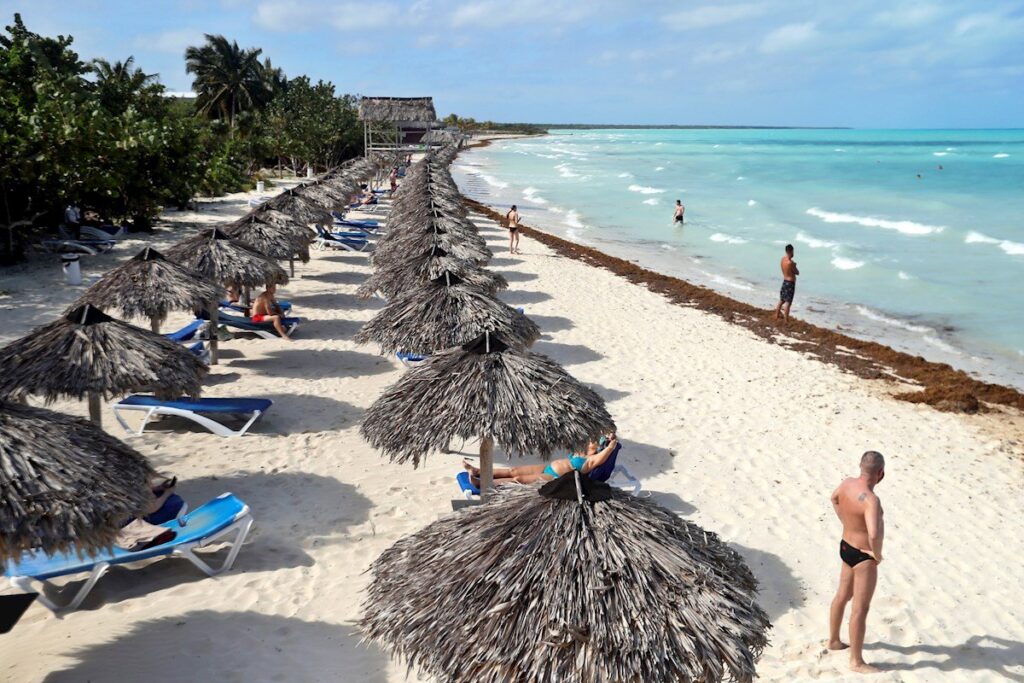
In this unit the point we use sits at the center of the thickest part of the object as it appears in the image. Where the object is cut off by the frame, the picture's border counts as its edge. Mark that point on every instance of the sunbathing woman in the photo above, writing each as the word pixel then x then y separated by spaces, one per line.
pixel 528 474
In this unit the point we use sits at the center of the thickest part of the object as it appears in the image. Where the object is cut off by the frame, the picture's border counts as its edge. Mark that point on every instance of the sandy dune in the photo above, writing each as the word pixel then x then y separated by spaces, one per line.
pixel 740 436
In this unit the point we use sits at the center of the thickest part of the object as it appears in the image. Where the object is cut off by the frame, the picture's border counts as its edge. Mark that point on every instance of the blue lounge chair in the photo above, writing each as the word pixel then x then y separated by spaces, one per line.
pixel 103 232
pixel 265 330
pixel 187 333
pixel 409 360
pixel 194 409
pixel 339 219
pixel 354 242
pixel 605 472
pixel 222 517
pixel 200 351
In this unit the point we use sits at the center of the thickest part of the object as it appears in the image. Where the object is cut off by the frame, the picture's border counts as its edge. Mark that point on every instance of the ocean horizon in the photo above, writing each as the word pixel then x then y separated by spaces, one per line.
pixel 913 238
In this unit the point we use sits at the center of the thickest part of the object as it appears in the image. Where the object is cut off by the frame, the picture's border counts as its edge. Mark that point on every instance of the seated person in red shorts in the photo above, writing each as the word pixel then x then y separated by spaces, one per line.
pixel 266 310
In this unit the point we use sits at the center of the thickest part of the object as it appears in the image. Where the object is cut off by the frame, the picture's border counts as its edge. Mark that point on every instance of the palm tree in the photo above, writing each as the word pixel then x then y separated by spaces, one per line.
pixel 228 79
pixel 119 83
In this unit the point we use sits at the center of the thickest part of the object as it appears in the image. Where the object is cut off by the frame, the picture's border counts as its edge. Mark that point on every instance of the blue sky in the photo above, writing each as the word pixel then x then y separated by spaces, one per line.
pixel 865 63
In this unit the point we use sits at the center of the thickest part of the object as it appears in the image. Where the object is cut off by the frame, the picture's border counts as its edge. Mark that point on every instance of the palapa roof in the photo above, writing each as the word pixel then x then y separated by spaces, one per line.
pixel 64 483
pixel 150 286
pixel 442 313
pixel 87 351
pixel 402 274
pixel 397 109
pixel 524 400
pixel 532 588
pixel 224 260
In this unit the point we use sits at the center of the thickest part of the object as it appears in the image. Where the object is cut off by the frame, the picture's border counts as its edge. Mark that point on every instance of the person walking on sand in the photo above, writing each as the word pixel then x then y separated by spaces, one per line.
pixel 860 552
pixel 513 230
pixel 680 212
pixel 789 273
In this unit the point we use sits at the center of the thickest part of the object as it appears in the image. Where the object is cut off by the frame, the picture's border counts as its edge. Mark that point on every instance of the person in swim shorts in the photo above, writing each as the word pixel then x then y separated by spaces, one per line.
pixel 680 214
pixel 860 552
pixel 789 273
pixel 528 474
pixel 266 310
pixel 513 229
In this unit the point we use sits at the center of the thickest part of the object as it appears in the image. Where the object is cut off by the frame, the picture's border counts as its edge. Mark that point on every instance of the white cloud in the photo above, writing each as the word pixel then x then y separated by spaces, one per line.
pixel 716 54
pixel 909 15
pixel 172 42
pixel 498 13
pixel 713 15
pixel 290 15
pixel 789 37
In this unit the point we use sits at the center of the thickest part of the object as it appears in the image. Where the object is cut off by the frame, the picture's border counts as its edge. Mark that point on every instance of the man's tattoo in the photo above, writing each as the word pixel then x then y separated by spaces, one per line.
pixel 862 496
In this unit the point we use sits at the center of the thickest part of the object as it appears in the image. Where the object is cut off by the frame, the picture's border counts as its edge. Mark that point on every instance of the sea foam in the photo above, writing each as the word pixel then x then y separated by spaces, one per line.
pixel 843 263
pixel 530 194
pixel 651 202
pixel 625 175
pixel 1011 248
pixel 814 242
pixel 905 227
pixel 1001 155
pixel 751 202
pixel 728 239
pixel 572 219
pixel 642 189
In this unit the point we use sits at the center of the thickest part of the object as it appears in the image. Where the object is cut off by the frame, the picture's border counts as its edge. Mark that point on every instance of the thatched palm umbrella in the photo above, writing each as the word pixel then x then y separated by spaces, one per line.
pixel 303 209
pixel 86 353
pixel 490 390
pixel 602 588
pixel 274 234
pixel 399 276
pixel 150 286
pixel 64 483
pixel 442 313
pixel 218 258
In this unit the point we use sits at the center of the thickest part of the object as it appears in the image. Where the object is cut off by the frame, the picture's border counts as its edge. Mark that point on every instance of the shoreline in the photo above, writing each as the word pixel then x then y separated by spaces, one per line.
pixel 939 385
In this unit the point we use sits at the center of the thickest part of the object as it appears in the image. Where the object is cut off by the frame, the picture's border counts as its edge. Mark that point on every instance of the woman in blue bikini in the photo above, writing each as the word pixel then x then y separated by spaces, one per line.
pixel 529 474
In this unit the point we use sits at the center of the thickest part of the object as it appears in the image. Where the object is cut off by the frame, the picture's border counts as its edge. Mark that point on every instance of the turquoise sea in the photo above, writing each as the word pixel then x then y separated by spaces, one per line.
pixel 912 238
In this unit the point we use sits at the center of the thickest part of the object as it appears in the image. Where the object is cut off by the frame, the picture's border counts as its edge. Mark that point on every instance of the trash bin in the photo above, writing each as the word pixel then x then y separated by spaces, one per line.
pixel 309 171
pixel 72 269
pixel 260 186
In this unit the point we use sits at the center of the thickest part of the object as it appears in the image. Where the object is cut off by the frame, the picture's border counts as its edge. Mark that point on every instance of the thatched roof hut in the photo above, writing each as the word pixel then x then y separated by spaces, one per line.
pixel 64 483
pixel 304 209
pixel 530 587
pixel 86 353
pixel 443 313
pixel 150 286
pixel 397 109
pixel 221 259
pixel 488 389
pixel 272 233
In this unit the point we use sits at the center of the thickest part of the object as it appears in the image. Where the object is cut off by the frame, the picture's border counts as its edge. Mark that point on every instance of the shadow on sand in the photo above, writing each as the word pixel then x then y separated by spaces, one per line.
pixel 329 363
pixel 515 275
pixel 338 277
pixel 227 646
pixel 551 323
pixel 522 298
pixel 780 591
pixel 978 653
pixel 329 301
pixel 566 354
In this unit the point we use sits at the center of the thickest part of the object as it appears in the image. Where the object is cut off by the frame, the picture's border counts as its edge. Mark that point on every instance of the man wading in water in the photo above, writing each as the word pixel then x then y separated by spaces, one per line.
pixel 513 230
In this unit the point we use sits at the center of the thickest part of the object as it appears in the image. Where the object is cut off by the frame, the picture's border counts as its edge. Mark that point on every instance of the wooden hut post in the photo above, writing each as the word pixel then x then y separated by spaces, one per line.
pixel 486 466
pixel 291 266
pixel 154 324
pixel 214 355
pixel 95 416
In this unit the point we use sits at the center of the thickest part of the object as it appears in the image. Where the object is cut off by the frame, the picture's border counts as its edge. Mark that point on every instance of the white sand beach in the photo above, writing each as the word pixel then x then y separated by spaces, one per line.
pixel 743 437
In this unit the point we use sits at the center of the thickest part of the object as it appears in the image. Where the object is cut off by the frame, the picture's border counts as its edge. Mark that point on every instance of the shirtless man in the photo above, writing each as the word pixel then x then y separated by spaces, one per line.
pixel 267 310
pixel 680 212
pixel 860 550
pixel 789 273
pixel 513 229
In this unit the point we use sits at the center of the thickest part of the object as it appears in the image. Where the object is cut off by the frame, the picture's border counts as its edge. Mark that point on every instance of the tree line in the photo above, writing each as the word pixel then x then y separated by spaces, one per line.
pixel 106 136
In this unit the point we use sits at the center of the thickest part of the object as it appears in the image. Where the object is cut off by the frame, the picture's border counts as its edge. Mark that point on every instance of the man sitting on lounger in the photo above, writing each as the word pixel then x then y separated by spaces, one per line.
pixel 267 310
pixel 368 198
pixel 529 474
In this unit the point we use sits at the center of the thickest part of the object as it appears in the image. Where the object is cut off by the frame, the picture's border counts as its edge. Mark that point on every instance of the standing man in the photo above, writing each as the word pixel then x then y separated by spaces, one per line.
pixel 860 550
pixel 73 221
pixel 789 273
pixel 680 210
pixel 513 229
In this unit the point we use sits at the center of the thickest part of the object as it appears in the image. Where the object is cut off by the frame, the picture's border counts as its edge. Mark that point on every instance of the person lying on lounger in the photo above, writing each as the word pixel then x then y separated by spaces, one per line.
pixel 267 310
pixel 140 533
pixel 529 474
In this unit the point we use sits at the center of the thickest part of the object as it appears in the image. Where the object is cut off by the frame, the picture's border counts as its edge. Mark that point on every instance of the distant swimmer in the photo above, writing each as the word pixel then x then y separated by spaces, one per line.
pixel 860 552
pixel 513 230
pixel 940 167
pixel 918 176
pixel 680 212
pixel 789 273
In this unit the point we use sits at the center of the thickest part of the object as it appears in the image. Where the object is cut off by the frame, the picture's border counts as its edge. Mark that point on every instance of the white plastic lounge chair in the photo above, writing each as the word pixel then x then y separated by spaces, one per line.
pixel 346 241
pixel 103 232
pixel 195 409
pixel 224 516
pixel 86 247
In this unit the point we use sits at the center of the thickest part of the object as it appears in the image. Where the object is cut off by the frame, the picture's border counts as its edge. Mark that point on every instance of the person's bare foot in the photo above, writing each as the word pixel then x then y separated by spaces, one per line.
pixel 473 471
pixel 837 645
pixel 864 668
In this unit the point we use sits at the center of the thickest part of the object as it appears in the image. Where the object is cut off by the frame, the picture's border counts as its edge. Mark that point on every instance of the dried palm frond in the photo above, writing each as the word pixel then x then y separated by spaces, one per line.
pixel 218 258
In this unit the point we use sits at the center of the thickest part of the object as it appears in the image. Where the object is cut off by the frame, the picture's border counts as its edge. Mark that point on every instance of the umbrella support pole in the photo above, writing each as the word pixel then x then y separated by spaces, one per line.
pixel 486 466
pixel 95 414
pixel 291 267
pixel 154 324
pixel 214 351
